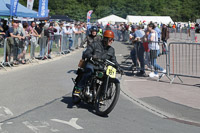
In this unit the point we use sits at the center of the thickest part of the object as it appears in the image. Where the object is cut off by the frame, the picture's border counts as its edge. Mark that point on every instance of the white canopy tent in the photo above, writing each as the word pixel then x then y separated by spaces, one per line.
pixel 158 19
pixel 112 19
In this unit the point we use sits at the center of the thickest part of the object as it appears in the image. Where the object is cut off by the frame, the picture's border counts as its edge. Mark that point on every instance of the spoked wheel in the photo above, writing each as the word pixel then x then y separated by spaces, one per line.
pixel 75 99
pixel 106 102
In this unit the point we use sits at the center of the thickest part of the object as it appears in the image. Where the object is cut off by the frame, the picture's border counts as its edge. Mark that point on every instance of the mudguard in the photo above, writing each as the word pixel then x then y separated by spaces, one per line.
pixel 114 80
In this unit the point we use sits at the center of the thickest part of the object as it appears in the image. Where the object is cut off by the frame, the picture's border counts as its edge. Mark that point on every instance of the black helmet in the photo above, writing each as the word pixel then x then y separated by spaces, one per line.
pixel 94 28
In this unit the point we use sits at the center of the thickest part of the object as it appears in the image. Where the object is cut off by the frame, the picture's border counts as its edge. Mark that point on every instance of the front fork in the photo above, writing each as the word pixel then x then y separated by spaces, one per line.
pixel 106 86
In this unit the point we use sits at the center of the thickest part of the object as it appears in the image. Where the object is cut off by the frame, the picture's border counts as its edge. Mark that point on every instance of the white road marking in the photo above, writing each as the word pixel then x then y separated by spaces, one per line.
pixel 30 126
pixel 9 123
pixel 1 130
pixel 72 123
pixel 6 111
pixel 54 130
pixel 36 129
pixel 0 126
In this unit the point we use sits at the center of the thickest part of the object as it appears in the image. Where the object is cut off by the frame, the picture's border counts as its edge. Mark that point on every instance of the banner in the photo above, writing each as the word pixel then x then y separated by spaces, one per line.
pixel 43 9
pixel 89 14
pixel 13 7
pixel 30 4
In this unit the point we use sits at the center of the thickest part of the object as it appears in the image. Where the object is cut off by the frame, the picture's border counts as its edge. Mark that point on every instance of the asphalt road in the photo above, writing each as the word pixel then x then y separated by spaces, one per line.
pixel 37 99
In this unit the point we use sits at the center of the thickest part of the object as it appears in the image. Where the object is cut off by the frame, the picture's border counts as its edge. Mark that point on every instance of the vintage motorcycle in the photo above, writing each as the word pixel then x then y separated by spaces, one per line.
pixel 102 89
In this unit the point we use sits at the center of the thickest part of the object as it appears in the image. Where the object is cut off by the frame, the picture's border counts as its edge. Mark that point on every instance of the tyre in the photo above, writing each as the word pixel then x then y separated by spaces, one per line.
pixel 105 103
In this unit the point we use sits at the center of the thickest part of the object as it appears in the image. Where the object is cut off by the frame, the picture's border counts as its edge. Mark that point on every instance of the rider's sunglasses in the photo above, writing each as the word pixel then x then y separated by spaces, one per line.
pixel 110 39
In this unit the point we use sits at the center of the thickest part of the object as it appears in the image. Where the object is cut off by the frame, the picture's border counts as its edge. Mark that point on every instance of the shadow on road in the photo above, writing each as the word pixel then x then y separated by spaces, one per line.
pixel 82 105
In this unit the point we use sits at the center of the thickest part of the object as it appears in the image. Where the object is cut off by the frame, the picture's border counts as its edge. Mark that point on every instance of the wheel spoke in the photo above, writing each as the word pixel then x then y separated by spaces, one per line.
pixel 107 101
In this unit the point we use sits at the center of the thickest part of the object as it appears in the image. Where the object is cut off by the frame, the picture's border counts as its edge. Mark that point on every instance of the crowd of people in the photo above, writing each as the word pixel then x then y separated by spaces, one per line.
pixel 23 35
pixel 68 37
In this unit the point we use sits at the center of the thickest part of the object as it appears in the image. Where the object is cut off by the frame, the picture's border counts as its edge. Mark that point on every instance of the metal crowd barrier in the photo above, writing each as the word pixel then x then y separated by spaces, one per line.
pixel 183 60
pixel 182 34
pixel 37 48
pixel 180 59
pixel 5 62
pixel 2 55
pixel 161 59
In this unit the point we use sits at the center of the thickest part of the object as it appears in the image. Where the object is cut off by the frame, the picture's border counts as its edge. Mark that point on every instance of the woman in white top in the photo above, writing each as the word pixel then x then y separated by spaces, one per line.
pixel 57 35
pixel 154 47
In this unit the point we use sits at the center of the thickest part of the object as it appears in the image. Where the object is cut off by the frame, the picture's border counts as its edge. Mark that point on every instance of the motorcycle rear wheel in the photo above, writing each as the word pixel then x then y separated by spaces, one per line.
pixel 105 104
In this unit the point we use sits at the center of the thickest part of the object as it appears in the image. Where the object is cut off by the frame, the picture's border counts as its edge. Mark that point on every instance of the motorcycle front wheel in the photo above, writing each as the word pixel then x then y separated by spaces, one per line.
pixel 105 102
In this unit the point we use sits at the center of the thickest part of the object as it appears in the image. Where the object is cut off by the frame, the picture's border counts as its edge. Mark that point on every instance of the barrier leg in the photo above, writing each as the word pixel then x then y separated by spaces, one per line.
pixel 162 75
pixel 61 46
pixel 1 64
pixel 174 79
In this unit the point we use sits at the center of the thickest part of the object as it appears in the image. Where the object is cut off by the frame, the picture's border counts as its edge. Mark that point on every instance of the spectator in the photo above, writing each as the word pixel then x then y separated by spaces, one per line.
pixel 154 50
pixel 24 43
pixel 138 50
pixel 69 41
pixel 158 31
pixel 119 33
pixel 1 36
pixel 146 48
pixel 57 34
pixel 34 41
pixel 165 37
pixel 5 26
pixel 12 42
pixel 108 27
pixel 123 31
pixel 42 40
pixel 77 32
pixel 51 31
pixel 100 33
pixel 82 31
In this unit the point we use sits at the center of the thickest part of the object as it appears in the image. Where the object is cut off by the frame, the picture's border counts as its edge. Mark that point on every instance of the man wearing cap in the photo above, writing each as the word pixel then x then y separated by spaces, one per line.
pixel 13 37
pixel 69 33
pixel 138 50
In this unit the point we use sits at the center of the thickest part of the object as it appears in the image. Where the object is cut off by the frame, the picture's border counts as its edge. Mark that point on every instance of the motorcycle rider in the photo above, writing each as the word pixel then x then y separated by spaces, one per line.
pixel 97 50
pixel 91 37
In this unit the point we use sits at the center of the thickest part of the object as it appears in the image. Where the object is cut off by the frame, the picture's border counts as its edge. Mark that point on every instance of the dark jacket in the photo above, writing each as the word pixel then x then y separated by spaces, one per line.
pixel 99 50
pixel 165 33
pixel 90 39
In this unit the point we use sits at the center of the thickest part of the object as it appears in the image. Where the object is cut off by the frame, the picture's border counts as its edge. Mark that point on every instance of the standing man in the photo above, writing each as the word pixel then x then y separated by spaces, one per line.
pixel 158 31
pixel 51 31
pixel 69 33
pixel 138 50
pixel 11 47
pixel 165 37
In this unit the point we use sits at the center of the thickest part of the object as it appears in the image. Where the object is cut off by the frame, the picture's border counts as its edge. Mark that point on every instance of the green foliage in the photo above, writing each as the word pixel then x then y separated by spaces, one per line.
pixel 179 10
